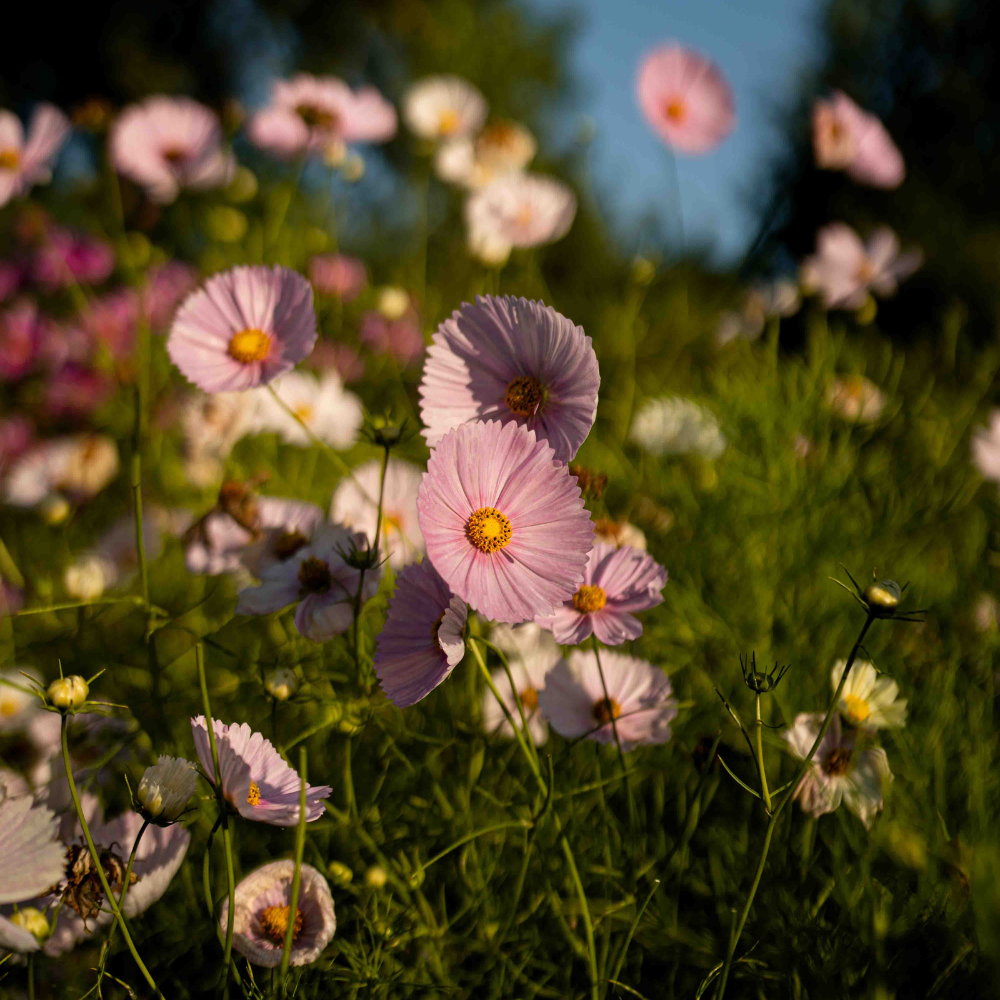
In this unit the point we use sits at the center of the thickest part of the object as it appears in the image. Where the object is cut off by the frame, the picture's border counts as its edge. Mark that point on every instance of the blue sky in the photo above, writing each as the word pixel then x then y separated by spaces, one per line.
pixel 762 46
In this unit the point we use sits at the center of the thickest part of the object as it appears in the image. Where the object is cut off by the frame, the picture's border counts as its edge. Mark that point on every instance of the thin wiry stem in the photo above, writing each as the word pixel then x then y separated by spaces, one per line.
pixel 293 899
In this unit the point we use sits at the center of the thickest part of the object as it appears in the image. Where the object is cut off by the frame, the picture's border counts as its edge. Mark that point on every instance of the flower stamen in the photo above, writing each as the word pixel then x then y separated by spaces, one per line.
pixel 838 761
pixel 488 529
pixel 274 922
pixel 529 698
pixel 316 117
pixel 448 122
pixel 253 794
pixel 675 111
pixel 249 345
pixel 287 544
pixel 589 599
pixel 315 576
pixel 9 158
pixel 857 708
pixel 606 710
pixel 524 396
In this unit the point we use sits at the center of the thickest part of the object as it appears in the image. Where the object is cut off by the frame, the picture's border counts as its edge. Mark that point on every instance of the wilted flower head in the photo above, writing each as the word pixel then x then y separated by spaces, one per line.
pixel 856 398
pixel 868 701
pixel 26 161
pixel 847 138
pixel 639 699
pixel 263 911
pixel 338 274
pixel 333 414
pixel 165 144
pixel 444 107
pixel 243 328
pixel 256 782
pixel 685 98
pixel 166 788
pixel 673 425
pixel 503 147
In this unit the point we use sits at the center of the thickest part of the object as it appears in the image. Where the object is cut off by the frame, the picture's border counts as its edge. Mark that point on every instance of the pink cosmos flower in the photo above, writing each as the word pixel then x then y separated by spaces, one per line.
pixel 401 338
pixel 685 98
pixel 11 276
pixel 504 525
pixel 310 114
pixel 639 699
pixel 256 782
pixel 67 258
pixel 263 907
pixel 25 162
pixel 76 391
pixel 514 361
pixel 168 284
pixel 112 320
pixel 518 210
pixel 20 337
pixel 64 343
pixel 847 138
pixel 17 435
pixel 342 358
pixel 845 270
pixel 839 771
pixel 986 448
pixel 424 636
pixel 165 144
pixel 243 328
pixel 338 274
pixel 318 577
pixel 616 583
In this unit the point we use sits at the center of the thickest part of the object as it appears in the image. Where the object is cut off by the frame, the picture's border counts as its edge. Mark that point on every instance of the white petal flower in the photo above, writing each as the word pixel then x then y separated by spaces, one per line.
pixel 444 107
pixel 522 210
pixel 333 414
pixel 672 425
pixel 868 701
pixel 166 788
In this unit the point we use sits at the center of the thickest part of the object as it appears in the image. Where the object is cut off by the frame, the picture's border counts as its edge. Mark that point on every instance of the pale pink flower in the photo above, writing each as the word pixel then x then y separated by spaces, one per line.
pixel 20 339
pixel 616 583
pixel 342 358
pixel 503 147
pixel 64 344
pixel 514 361
pixel 856 398
pixel 338 274
pixel 504 525
pixel 519 210
pixel 255 780
pixel 639 699
pixel 619 534
pixel 66 258
pixel 847 138
pixel 685 98
pixel 986 448
pixel 243 328
pixel 401 338
pixel 112 320
pixel 165 144
pixel 25 162
pixel 844 270
pixel 76 391
pixel 424 636
pixel 167 285
pixel 331 413
pixel 79 465
pixel 444 107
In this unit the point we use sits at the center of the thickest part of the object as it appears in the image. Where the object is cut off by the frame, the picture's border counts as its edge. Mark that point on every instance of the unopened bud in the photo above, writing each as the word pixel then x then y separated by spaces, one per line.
pixel 883 597
pixel 166 788
pixel 281 683
pixel 339 872
pixel 643 270
pixel 33 921
pixel 54 509
pixel 362 558
pixel 393 302
pixel 376 877
pixel 68 692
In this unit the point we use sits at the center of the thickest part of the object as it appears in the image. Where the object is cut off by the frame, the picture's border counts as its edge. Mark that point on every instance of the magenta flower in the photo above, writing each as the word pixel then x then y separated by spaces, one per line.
pixel 11 276
pixel 338 274
pixel 25 162
pixel 319 579
pixel 639 699
pixel 76 391
pixel 400 338
pixel 616 583
pixel 685 98
pixel 165 144
pixel 503 524
pixel 243 328
pixel 112 320
pixel 342 358
pixel 20 339
pixel 67 258
pixel 167 285
pixel 514 361
pixel 424 636
pixel 17 435
pixel 847 138
pixel 263 908
pixel 256 782
pixel 64 343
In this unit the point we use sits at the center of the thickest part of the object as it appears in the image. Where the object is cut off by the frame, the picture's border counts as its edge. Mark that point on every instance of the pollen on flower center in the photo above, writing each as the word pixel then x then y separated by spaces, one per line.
pixel 448 122
pixel 675 110
pixel 315 576
pixel 274 922
pixel 857 707
pixel 488 529
pixel 865 273
pixel 522 218
pixel 7 709
pixel 249 345
pixel 529 698
pixel 253 794
pixel 524 396
pixel 589 598
pixel 287 544
pixel 9 159
pixel 316 117
pixel 305 413
pixel 837 762
pixel 606 710
pixel 175 155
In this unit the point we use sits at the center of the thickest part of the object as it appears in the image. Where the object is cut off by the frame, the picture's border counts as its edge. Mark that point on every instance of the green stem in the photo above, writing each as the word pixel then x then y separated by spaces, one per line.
pixel 31 977
pixel 614 730
pixel 361 576
pixel 206 874
pixel 121 899
pixel 293 900
pixel 758 725
pixel 515 694
pixel 96 858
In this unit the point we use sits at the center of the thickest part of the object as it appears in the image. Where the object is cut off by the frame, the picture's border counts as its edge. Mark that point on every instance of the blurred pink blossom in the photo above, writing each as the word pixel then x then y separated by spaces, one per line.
pixel 67 258
pixel 986 448
pixel 20 334
pixel 112 319
pixel 342 357
pixel 402 338
pixel 17 434
pixel 847 138
pixel 11 275
pixel 76 391
pixel 63 342
pixel 169 283
pixel 26 161
pixel 338 274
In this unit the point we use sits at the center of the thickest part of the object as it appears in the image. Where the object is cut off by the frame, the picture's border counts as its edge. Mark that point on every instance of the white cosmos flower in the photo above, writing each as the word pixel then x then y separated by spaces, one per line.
pixel 17 704
pixel 619 534
pixel 529 673
pixel 333 414
pixel 673 425
pixel 212 424
pixel 501 148
pixel 869 701
pixel 856 398
pixel 80 465
pixel 166 788
pixel 88 576
pixel 444 107
pixel 986 448
pixel 522 210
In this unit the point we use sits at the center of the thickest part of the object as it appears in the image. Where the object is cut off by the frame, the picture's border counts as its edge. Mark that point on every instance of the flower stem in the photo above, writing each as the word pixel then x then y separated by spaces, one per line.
pixel 758 725
pixel 614 729
pixel 96 858
pixel 361 575
pixel 293 901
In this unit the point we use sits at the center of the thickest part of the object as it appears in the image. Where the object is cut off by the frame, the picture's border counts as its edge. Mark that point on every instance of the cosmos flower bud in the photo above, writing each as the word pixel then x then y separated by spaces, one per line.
pixel 54 509
pixel 33 921
pixel 69 692
pixel 393 301
pixel 376 877
pixel 359 557
pixel 339 872
pixel 165 789
pixel 883 597
pixel 281 683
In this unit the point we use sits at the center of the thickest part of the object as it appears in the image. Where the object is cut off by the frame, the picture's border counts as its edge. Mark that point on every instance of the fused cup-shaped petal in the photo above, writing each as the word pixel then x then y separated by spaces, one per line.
pixel 68 692
pixel 444 107
pixel 685 99
pixel 255 780
pixel 504 525
pixel 166 788
pixel 616 584
pixel 639 699
pixel 508 359
pixel 263 911
pixel 424 636
pixel 34 857
pixel 243 328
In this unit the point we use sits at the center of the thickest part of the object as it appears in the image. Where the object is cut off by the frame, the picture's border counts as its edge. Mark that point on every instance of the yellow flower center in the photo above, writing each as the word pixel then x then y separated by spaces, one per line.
pixel 274 922
pixel 392 521
pixel 522 218
pixel 175 155
pixel 838 761
pixel 857 708
pixel 588 599
pixel 499 135
pixel 304 412
pixel 287 544
pixel 316 117
pixel 7 708
pixel 488 529
pixel 675 110
pixel 606 710
pixel 249 345
pixel 449 121
pixel 524 395
pixel 865 272
pixel 315 576
pixel 529 698
pixel 253 795
pixel 10 158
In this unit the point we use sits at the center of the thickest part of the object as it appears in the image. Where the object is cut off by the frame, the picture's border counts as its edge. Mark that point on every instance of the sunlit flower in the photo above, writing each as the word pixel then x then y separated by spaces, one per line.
pixel 338 274
pixel 281 683
pixel 80 465
pixel 393 302
pixel 444 107
pixel 243 328
pixel 673 425
pixel 26 161
pixel 639 699
pixel 212 424
pixel 67 258
pixel 619 534
pixel 868 701
pixel 165 144
pixel 839 771
pixel 845 270
pixel 761 302
pixel 401 338
pixel 263 911
pixel 514 361
pixel 616 583
pixel 424 636
pixel 504 525
pixel 18 705
pixel 322 404
pixel 520 210
pixel 355 504
pixel 986 448
pixel 87 577
pixel 856 398
pixel 256 782
pixel 503 147
pixel 166 789
pixel 319 579
pixel 685 98
pixel 847 138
